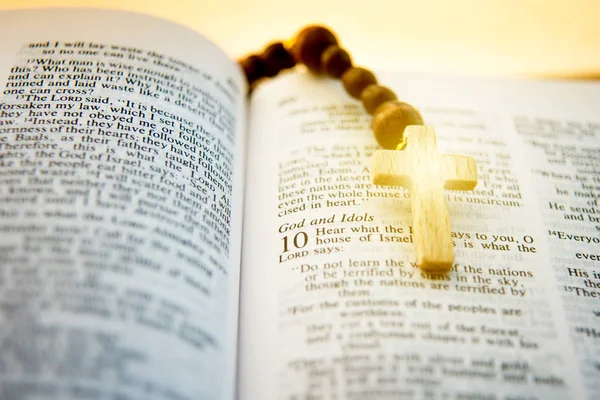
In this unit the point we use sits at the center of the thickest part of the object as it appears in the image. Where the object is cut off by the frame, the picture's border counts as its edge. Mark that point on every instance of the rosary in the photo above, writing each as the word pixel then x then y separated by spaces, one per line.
pixel 411 158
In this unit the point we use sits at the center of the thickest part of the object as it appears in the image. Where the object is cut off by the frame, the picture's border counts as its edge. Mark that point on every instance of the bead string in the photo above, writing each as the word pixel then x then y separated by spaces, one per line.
pixel 317 48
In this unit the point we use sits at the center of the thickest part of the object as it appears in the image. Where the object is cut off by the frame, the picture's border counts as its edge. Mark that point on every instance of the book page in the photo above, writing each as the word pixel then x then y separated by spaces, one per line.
pixel 332 303
pixel 121 185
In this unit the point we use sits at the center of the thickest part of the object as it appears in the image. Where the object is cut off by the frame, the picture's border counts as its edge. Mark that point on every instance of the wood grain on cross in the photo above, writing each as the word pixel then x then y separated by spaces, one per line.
pixel 425 172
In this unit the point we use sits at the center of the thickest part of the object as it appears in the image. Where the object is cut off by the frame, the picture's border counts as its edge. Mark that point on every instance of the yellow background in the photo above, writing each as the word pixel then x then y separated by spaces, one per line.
pixel 483 37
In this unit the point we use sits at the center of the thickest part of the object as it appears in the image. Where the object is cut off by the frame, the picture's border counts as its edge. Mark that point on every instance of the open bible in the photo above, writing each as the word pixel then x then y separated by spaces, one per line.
pixel 165 236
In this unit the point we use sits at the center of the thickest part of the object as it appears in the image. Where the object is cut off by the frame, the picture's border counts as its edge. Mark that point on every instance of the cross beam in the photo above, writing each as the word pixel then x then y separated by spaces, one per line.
pixel 425 172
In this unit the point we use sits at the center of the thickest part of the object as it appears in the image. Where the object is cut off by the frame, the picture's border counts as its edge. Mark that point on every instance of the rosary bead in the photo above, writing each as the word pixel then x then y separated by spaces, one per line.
pixel 277 58
pixel 356 79
pixel 375 95
pixel 389 122
pixel 335 61
pixel 310 44
pixel 254 68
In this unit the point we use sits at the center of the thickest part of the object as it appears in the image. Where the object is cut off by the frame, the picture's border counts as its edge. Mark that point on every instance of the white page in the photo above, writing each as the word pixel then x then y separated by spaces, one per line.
pixel 329 312
pixel 122 145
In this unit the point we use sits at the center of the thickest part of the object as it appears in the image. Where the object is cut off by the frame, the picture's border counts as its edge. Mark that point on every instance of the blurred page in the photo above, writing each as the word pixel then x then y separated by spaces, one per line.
pixel 121 183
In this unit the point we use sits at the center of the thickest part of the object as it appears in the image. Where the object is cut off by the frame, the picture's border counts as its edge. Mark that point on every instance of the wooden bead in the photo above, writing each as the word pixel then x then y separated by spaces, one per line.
pixel 375 95
pixel 310 44
pixel 389 121
pixel 335 61
pixel 254 68
pixel 356 79
pixel 276 58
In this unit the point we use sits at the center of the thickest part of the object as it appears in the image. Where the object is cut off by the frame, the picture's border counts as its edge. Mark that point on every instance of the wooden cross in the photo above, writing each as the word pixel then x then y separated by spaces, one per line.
pixel 426 173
